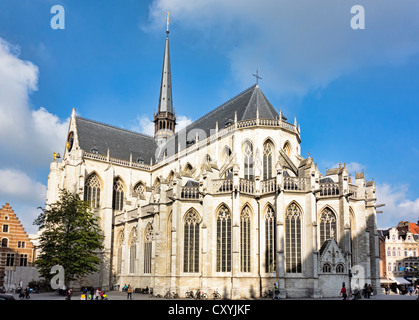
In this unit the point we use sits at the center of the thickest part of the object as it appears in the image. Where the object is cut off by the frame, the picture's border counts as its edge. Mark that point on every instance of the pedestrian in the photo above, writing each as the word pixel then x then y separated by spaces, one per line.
pixel 27 292
pixel 69 294
pixel 276 291
pixel 387 288
pixel 92 293
pixel 368 291
pixel 343 292
pixel 129 292
pixel 97 294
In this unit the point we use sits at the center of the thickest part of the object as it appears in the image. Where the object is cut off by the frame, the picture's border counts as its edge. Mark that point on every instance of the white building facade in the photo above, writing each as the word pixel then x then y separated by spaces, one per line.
pixel 226 204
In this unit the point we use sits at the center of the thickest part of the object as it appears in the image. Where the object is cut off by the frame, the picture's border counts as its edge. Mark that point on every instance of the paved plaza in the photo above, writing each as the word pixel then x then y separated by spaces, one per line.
pixel 118 295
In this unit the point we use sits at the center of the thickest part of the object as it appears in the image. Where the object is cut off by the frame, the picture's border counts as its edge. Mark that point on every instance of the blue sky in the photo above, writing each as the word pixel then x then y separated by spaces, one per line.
pixel 355 93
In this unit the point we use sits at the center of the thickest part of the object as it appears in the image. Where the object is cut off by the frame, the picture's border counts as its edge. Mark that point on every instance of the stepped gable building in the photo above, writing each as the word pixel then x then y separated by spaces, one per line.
pixel 16 249
pixel 227 203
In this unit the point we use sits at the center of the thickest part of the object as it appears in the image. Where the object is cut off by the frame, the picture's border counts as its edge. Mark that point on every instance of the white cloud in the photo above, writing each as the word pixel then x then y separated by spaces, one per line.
pixel 18 186
pixel 27 137
pixel 146 126
pixel 397 206
pixel 182 122
pixel 297 48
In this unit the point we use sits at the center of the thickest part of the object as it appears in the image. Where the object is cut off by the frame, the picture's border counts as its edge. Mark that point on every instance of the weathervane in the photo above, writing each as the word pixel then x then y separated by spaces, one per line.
pixel 257 77
pixel 167 20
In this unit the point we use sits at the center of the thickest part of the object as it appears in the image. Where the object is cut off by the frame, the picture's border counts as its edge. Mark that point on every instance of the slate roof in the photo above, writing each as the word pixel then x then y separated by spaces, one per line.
pixel 122 143
pixel 246 103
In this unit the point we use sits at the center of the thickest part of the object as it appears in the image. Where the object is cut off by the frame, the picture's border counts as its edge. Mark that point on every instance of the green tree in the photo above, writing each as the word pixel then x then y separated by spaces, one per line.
pixel 70 237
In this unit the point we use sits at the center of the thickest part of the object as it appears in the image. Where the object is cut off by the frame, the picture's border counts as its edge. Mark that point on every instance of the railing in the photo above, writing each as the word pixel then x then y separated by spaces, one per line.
pixel 329 189
pixel 190 193
pixel 247 186
pixel 127 163
pixel 295 184
pixel 268 186
pixel 354 190
pixel 222 185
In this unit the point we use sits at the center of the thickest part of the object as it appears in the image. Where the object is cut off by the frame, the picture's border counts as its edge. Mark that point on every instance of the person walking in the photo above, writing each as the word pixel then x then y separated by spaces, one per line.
pixel 276 291
pixel 129 292
pixel 368 291
pixel 97 294
pixel 343 292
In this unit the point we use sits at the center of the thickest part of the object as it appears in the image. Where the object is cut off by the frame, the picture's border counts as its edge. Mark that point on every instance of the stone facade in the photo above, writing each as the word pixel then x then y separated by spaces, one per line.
pixel 226 204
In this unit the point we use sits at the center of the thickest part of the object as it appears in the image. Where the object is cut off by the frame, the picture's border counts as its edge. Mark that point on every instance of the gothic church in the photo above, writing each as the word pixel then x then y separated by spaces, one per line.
pixel 227 203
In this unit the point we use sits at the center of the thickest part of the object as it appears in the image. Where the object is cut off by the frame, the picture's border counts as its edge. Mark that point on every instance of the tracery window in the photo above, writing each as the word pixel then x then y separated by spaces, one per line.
pixel 267 160
pixel 119 252
pixel 133 250
pixel 223 240
pixel 327 268
pixel 340 268
pixel 293 239
pixel 118 195
pixel 327 225
pixel 148 248
pixel 139 190
pixel 270 240
pixel 191 242
pixel 92 191
pixel 245 239
pixel 248 160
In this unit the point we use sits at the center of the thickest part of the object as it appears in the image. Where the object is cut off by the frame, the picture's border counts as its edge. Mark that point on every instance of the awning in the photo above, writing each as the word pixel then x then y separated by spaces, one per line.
pixel 399 280
pixel 386 281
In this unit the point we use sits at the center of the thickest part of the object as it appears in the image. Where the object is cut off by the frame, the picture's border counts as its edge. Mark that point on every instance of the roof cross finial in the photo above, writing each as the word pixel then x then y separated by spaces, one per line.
pixel 257 77
pixel 167 20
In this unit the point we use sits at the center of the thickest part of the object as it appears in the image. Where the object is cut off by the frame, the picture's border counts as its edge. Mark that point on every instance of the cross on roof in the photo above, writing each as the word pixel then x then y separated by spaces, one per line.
pixel 257 77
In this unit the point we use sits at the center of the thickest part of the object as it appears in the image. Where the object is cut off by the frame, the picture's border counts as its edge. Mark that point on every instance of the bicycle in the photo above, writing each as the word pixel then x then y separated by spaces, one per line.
pixel 172 295
pixel 216 294
pixel 200 295
pixel 189 294
pixel 267 294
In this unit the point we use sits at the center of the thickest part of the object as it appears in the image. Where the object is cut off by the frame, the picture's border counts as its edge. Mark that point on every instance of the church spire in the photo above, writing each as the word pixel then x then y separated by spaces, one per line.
pixel 165 119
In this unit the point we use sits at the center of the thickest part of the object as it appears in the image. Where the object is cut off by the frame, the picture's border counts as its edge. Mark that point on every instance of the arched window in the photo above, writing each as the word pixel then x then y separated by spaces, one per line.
pixel 293 239
pixel 118 195
pixel 191 242
pixel 327 225
pixel 224 240
pixel 340 268
pixel 119 252
pixel 92 191
pixel 270 240
pixel 133 250
pixel 4 242
pixel 148 248
pixel 287 148
pixel 248 160
pixel 245 239
pixel 139 190
pixel 267 160
pixel 327 268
